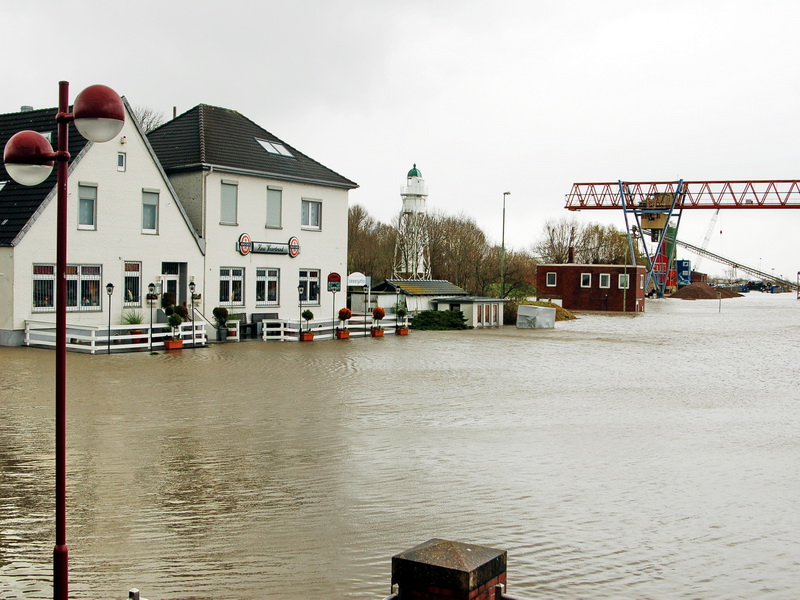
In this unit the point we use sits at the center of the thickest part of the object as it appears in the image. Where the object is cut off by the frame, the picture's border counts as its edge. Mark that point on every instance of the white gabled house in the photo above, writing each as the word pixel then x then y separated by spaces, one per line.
pixel 274 220
pixel 126 226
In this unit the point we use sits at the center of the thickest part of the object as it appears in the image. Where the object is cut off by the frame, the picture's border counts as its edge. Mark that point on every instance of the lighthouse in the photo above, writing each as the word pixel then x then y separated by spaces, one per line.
pixel 411 253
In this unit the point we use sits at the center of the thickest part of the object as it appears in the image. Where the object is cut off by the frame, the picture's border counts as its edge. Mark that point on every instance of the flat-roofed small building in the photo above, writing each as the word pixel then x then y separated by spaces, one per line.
pixel 617 288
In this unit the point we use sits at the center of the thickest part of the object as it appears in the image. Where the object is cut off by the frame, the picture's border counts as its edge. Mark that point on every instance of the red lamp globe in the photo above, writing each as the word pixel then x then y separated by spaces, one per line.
pixel 99 113
pixel 28 157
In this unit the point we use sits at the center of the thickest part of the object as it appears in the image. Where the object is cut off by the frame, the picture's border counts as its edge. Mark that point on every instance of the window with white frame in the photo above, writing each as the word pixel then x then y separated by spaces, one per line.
pixel 586 280
pixel 623 281
pixel 267 286
pixel 641 282
pixel 44 282
pixel 133 284
pixel 309 281
pixel 231 286
pixel 551 279
pixel 149 211
pixel 122 161
pixel 311 214
pixel 274 207
pixel 605 280
pixel 87 206
pixel 83 287
pixel 229 198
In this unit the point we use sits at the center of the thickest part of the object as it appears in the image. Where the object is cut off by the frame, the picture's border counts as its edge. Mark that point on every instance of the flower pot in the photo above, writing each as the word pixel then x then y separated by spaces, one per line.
pixel 376 332
pixel 173 344
pixel 306 336
pixel 222 334
pixel 137 340
pixel 401 331
pixel 342 335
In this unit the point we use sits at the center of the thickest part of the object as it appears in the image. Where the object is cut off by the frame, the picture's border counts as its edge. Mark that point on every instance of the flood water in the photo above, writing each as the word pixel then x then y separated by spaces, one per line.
pixel 648 456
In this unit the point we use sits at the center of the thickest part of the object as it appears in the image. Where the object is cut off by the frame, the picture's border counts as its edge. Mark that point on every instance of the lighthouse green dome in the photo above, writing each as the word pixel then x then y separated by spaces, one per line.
pixel 415 172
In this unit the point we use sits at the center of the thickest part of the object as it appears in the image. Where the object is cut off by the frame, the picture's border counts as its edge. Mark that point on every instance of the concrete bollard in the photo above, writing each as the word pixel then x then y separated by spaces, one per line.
pixel 443 570
pixel 133 594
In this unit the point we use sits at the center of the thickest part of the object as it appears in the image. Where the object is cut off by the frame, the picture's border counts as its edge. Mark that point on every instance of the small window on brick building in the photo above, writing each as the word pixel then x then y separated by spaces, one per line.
pixel 586 280
pixel 605 280
pixel 551 279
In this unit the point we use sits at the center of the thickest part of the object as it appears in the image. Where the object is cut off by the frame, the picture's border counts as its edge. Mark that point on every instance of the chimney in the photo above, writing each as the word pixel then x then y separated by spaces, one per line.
pixel 571 255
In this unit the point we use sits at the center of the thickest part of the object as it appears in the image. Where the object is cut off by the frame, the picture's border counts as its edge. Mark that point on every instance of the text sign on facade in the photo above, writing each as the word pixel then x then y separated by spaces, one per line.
pixel 245 246
pixel 334 282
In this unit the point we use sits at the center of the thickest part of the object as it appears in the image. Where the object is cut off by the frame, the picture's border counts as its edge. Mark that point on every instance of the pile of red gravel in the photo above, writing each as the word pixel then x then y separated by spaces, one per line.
pixel 702 291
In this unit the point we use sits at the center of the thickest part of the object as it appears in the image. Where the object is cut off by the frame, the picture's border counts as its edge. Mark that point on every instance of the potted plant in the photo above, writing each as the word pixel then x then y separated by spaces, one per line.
pixel 221 317
pixel 231 327
pixel 307 335
pixel 402 327
pixel 377 314
pixel 176 341
pixel 134 317
pixel 344 332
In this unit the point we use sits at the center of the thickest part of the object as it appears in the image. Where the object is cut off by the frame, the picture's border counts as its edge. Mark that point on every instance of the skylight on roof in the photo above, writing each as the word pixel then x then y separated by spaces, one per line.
pixel 275 148
pixel 2 185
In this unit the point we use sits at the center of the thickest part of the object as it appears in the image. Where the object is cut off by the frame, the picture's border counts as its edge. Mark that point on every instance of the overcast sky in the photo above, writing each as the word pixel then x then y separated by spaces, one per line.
pixel 524 96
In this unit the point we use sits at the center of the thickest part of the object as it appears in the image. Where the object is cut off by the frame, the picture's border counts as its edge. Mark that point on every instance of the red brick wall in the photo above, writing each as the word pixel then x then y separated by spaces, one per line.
pixel 574 297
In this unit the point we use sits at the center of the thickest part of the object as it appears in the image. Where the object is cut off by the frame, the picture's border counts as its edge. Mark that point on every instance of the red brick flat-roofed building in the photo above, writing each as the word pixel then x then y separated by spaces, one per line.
pixel 618 288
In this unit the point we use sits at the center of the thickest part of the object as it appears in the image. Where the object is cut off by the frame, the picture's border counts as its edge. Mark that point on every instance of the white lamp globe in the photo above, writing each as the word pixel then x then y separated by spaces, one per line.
pixel 28 157
pixel 99 113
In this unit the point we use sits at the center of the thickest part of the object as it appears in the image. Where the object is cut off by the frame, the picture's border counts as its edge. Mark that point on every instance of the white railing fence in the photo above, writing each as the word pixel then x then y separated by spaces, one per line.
pixel 324 329
pixel 123 338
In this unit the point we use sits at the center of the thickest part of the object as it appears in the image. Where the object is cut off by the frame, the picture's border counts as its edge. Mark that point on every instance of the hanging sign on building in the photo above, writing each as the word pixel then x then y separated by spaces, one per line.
pixel 245 246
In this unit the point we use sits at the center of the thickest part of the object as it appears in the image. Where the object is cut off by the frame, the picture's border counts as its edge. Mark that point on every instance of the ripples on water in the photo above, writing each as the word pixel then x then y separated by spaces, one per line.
pixel 647 456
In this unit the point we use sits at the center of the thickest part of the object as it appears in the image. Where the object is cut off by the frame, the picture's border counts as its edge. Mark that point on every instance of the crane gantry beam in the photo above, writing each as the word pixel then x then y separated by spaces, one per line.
pixel 777 193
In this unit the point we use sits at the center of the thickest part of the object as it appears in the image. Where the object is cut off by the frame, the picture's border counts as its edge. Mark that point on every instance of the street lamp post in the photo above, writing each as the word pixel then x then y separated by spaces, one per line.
pixel 109 291
pixel 366 309
pixel 98 114
pixel 192 288
pixel 151 288
pixel 503 251
pixel 300 290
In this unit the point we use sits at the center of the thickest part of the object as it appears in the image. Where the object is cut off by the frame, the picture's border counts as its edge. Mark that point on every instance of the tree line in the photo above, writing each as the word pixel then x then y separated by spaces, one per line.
pixel 461 253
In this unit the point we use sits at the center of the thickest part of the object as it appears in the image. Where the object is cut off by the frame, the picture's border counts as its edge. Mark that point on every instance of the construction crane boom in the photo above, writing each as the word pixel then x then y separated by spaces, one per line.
pixel 736 265
pixel 707 238
pixel 782 193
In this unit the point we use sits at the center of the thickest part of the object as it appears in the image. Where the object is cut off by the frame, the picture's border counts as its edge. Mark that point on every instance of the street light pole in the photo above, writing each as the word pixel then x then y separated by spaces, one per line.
pixel 98 114
pixel 191 293
pixel 503 251
pixel 151 288
pixel 109 291
pixel 366 309
pixel 300 290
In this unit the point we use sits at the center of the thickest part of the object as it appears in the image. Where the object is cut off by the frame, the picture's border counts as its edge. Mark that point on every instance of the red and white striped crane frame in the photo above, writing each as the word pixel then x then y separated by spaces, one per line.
pixel 779 193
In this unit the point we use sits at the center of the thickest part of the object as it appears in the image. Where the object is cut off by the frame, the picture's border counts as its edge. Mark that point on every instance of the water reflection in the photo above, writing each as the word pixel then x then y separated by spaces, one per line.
pixel 649 456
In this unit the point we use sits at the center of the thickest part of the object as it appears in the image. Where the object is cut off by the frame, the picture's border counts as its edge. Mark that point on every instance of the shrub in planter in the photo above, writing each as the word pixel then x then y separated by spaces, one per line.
pixel 181 311
pixel 344 315
pixel 378 314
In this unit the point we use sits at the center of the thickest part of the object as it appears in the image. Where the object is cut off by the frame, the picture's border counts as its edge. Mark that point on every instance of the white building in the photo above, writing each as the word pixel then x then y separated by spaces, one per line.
pixel 273 219
pixel 125 226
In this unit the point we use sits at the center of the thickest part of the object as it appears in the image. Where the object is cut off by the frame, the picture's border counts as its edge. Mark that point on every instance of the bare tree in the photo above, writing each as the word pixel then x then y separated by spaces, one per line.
pixel 370 244
pixel 147 118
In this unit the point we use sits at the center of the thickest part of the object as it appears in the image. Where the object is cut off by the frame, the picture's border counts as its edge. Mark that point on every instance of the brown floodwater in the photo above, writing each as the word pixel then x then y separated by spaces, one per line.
pixel 647 456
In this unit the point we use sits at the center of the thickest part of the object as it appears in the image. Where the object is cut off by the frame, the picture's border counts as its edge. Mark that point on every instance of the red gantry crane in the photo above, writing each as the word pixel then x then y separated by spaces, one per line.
pixel 652 205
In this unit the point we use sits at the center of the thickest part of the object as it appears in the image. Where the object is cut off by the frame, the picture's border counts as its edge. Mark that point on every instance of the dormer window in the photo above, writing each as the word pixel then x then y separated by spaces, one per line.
pixel 275 148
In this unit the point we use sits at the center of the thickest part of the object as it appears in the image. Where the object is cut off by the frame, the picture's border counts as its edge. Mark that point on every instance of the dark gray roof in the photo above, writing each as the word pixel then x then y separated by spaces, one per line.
pixel 227 140
pixel 19 203
pixel 420 287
